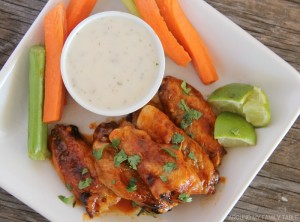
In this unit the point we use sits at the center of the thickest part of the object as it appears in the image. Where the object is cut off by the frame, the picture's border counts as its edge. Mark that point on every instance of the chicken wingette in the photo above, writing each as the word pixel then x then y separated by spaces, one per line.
pixel 73 160
pixel 161 168
pixel 188 110
pixel 120 178
pixel 162 130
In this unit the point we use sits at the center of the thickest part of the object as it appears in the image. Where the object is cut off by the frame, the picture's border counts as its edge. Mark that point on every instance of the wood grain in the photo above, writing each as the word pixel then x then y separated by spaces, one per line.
pixel 274 194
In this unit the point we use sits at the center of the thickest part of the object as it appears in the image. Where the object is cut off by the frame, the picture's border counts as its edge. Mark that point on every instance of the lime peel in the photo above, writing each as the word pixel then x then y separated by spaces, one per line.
pixel 232 130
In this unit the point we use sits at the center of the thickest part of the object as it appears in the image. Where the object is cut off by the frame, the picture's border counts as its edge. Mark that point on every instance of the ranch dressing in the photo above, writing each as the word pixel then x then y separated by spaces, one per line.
pixel 112 62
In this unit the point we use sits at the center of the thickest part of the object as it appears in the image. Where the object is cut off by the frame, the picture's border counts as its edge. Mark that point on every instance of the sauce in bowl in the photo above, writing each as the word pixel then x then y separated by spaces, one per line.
pixel 112 63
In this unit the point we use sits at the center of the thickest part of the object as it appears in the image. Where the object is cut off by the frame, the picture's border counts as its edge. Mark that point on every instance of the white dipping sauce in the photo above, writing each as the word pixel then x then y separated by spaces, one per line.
pixel 112 62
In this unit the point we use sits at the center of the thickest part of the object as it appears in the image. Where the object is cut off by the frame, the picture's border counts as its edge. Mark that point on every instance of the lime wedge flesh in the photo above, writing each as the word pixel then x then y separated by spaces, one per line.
pixel 246 100
pixel 257 108
pixel 232 130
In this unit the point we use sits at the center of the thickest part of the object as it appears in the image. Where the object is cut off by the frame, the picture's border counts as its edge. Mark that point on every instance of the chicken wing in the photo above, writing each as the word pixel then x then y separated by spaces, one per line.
pixel 73 160
pixel 187 108
pixel 162 130
pixel 167 176
pixel 117 178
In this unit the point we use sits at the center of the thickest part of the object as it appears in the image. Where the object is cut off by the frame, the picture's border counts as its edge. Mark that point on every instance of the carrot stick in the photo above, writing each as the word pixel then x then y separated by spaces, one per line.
pixel 150 13
pixel 55 35
pixel 189 38
pixel 77 11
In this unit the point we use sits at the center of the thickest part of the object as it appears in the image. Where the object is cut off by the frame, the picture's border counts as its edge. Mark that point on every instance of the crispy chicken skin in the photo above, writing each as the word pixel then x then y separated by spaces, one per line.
pixel 117 178
pixel 161 129
pixel 70 156
pixel 179 179
pixel 171 95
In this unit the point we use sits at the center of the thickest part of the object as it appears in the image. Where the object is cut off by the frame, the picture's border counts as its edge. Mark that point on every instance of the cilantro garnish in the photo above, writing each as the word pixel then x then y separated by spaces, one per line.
pixel 189 114
pixel 169 167
pixel 131 186
pixel 185 90
pixel 115 143
pixel 67 200
pixel 192 156
pixel 84 171
pixel 177 138
pixel 191 135
pixel 185 197
pixel 170 152
pixel 85 183
pixel 98 153
pixel 164 178
pixel 146 212
pixel 134 204
pixel 134 161
pixel 69 187
pixel 113 182
pixel 175 147
pixel 119 158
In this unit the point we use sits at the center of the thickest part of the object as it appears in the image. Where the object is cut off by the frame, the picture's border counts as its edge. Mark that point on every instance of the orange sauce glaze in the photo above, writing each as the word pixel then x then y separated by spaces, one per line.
pixel 124 206
pixel 222 179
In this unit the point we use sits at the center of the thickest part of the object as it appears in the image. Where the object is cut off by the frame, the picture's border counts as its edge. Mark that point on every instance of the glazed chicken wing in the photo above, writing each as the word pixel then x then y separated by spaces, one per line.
pixel 117 178
pixel 183 104
pixel 162 130
pixel 166 175
pixel 73 160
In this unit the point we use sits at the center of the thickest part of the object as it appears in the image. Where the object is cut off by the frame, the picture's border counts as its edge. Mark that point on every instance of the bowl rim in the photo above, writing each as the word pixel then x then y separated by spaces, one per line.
pixel 140 102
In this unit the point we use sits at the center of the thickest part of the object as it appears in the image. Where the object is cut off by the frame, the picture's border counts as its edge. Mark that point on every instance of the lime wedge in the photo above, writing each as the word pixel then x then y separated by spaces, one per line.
pixel 246 100
pixel 257 108
pixel 232 130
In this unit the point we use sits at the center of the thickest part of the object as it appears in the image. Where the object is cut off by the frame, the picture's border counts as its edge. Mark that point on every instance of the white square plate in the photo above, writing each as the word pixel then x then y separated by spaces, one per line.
pixel 238 58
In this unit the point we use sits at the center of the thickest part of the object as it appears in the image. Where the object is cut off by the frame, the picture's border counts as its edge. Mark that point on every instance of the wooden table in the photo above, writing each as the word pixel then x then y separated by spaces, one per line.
pixel 275 191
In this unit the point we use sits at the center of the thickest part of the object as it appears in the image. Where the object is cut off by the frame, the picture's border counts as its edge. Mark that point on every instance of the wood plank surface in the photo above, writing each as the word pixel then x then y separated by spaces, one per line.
pixel 274 194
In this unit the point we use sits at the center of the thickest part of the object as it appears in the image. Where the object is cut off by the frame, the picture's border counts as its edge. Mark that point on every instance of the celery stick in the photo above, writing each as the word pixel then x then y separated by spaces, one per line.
pixel 131 7
pixel 37 130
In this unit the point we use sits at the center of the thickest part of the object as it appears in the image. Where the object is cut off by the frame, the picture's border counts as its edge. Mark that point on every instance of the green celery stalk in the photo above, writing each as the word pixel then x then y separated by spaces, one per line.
pixel 37 130
pixel 131 7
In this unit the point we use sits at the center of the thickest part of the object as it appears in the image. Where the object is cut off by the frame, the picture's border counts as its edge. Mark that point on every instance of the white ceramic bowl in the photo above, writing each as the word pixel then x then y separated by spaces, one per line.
pixel 70 64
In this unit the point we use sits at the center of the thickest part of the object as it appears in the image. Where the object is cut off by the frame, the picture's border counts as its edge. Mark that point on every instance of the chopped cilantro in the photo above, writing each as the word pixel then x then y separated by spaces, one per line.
pixel 115 143
pixel 67 200
pixel 134 204
pixel 131 186
pixel 113 182
pixel 85 183
pixel 189 114
pixel 120 157
pixel 146 212
pixel 175 147
pixel 134 161
pixel 185 197
pixel 191 135
pixel 169 167
pixel 164 178
pixel 98 153
pixel 84 171
pixel 170 152
pixel 185 90
pixel 183 106
pixel 69 187
pixel 192 156
pixel 177 138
